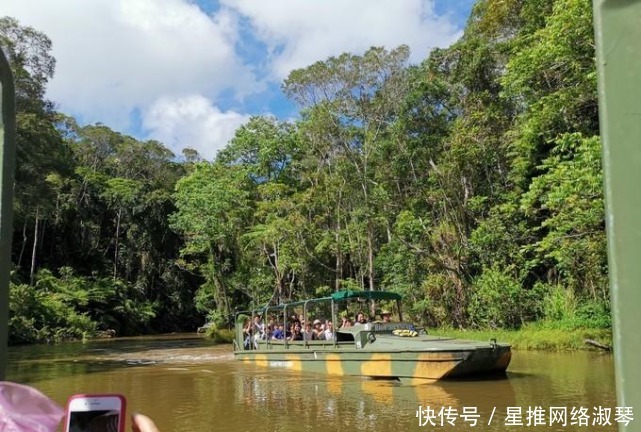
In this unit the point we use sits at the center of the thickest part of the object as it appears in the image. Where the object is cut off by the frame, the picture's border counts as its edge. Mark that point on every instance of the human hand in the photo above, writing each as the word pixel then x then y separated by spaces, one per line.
pixel 142 423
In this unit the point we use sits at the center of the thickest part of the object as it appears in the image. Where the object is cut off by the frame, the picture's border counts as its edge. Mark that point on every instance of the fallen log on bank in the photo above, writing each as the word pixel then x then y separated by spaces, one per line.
pixel 598 344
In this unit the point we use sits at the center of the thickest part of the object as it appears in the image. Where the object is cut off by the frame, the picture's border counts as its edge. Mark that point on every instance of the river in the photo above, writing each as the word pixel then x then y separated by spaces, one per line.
pixel 185 383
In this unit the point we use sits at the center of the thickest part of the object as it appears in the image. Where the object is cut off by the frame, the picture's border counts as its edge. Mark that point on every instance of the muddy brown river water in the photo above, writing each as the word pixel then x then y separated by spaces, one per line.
pixel 185 383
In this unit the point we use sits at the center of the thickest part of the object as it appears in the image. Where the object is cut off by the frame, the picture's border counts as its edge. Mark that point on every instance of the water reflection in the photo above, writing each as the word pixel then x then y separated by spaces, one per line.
pixel 190 385
pixel 360 404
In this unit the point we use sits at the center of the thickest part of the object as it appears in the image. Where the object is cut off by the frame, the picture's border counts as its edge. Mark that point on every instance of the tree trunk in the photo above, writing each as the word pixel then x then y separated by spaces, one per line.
pixel 117 243
pixel 370 260
pixel 24 242
pixel 32 272
pixel 339 255
pixel 220 294
pixel 370 256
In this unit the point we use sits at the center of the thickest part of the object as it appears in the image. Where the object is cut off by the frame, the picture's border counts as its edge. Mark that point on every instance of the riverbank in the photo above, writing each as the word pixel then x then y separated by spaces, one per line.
pixel 220 336
pixel 533 338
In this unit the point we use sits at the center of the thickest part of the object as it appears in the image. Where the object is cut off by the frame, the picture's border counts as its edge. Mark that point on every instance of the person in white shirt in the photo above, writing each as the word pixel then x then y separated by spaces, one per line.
pixel 258 329
pixel 329 330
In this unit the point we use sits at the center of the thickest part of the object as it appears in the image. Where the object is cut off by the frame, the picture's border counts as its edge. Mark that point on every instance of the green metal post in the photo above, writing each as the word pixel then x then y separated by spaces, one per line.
pixel 618 43
pixel 7 164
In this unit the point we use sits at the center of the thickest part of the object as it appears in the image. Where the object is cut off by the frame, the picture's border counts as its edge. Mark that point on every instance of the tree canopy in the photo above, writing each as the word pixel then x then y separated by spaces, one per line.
pixel 470 183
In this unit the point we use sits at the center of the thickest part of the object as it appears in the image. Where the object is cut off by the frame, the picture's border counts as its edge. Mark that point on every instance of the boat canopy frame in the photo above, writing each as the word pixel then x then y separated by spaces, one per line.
pixel 370 295
pixel 334 299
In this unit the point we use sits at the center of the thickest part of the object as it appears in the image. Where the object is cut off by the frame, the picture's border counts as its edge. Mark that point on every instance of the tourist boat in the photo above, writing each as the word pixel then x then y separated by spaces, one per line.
pixel 389 350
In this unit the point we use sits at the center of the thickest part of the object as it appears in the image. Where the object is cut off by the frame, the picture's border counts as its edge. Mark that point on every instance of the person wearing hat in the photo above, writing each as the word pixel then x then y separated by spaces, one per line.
pixel 318 330
pixel 386 315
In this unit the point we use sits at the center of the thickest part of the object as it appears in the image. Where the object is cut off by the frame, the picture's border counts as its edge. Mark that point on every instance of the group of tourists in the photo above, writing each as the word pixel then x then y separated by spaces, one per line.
pixel 299 329
pixel 361 318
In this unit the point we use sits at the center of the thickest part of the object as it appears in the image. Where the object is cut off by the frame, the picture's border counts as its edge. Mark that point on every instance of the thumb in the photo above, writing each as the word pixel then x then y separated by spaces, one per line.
pixel 142 423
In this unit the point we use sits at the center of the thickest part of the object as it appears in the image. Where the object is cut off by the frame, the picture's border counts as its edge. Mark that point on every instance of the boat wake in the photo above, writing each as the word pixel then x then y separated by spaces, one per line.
pixel 190 356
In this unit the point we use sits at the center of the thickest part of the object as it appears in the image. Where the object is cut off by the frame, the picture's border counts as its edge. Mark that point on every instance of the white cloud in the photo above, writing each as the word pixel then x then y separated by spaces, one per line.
pixel 302 32
pixel 150 57
pixel 192 122
pixel 117 55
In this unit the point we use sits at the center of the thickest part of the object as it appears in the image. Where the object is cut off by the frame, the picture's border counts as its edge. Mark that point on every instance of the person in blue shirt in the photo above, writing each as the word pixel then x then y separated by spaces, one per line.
pixel 278 333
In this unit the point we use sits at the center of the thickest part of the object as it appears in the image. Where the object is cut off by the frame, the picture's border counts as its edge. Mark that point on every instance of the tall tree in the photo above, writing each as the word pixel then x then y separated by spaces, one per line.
pixel 213 203
pixel 351 100
pixel 41 152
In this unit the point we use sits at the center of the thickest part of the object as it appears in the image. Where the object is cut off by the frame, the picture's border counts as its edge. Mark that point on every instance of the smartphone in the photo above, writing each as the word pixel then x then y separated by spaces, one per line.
pixel 95 413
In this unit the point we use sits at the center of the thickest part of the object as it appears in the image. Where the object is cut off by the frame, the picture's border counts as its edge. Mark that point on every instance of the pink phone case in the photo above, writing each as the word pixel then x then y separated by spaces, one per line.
pixel 123 401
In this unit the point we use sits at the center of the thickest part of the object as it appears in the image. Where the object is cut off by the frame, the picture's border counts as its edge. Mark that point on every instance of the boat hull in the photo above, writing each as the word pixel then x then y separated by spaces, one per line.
pixel 408 365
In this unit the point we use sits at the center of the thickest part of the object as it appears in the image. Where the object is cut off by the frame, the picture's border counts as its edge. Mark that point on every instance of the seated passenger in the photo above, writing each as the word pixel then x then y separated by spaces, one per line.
pixel 308 334
pixel 296 333
pixel 386 315
pixel 347 321
pixel 318 330
pixel 360 318
pixel 329 331
pixel 278 334
pixel 269 331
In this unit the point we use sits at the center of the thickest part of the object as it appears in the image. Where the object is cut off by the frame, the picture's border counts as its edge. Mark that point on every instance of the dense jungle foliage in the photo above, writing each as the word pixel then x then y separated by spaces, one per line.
pixel 471 183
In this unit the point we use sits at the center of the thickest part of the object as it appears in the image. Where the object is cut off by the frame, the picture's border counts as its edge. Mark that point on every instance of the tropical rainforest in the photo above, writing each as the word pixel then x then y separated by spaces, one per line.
pixel 470 183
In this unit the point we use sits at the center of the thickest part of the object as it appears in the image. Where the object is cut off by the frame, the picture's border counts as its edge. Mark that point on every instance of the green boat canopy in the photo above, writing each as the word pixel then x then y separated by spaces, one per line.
pixel 372 295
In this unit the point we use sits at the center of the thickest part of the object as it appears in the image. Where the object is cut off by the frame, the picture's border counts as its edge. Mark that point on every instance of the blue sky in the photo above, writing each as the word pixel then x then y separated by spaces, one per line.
pixel 189 73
